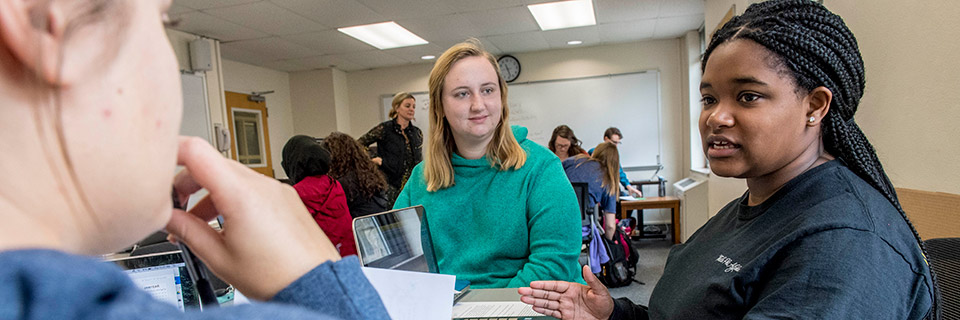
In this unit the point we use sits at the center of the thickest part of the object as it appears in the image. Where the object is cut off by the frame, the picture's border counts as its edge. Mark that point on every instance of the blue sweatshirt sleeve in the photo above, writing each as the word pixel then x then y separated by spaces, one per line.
pixel 554 229
pixel 624 182
pixel 337 288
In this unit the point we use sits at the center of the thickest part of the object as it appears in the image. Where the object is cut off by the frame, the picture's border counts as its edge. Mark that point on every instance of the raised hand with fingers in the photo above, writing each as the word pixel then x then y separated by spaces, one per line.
pixel 568 300
pixel 268 238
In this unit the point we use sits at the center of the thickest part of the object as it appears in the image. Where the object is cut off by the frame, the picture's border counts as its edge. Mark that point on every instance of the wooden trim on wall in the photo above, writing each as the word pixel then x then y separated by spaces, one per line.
pixel 934 214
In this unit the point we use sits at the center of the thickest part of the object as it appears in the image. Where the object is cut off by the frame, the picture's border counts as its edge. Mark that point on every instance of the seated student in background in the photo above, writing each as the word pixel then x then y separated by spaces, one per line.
pixel 306 163
pixel 819 234
pixel 613 135
pixel 94 148
pixel 564 143
pixel 500 211
pixel 358 175
pixel 599 171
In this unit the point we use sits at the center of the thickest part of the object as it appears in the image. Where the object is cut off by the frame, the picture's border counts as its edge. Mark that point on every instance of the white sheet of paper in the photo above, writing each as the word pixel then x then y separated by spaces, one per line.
pixel 627 198
pixel 488 309
pixel 413 295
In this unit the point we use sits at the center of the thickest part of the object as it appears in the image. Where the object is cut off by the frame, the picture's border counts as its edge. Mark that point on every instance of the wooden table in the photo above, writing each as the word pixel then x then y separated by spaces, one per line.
pixel 672 203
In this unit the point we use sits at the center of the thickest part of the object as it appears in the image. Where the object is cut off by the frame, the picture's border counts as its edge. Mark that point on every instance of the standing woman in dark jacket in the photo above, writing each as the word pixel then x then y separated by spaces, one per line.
pixel 363 183
pixel 399 143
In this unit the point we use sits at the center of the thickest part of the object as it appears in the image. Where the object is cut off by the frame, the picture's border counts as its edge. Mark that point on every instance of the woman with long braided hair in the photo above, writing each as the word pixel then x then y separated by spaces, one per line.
pixel 819 233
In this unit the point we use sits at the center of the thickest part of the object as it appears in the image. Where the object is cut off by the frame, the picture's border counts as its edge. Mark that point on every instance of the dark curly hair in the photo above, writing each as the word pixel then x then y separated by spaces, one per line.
pixel 349 156
pixel 819 50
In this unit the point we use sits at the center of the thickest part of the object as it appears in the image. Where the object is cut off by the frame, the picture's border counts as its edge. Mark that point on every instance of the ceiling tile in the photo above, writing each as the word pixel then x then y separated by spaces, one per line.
pixel 274 47
pixel 627 31
pixel 370 59
pixel 413 53
pixel 485 42
pixel 333 13
pixel 203 24
pixel 176 10
pixel 520 42
pixel 268 18
pixel 285 66
pixel 609 11
pixel 405 9
pixel 246 56
pixel 293 35
pixel 327 61
pixel 454 27
pixel 489 46
pixel 557 39
pixel 503 21
pixel 676 26
pixel 462 6
pixel 207 4
pixel 329 42
pixel 673 8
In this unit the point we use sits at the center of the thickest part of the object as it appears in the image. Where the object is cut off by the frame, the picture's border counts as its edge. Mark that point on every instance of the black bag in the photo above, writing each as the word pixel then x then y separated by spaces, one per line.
pixel 622 267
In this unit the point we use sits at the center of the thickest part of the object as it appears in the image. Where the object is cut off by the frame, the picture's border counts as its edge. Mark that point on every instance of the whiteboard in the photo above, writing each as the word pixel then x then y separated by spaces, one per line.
pixel 629 101
pixel 196 115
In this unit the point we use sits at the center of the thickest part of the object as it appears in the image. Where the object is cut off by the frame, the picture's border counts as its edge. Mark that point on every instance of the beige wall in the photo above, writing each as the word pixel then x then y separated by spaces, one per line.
pixel 341 99
pixel 908 111
pixel 244 78
pixel 365 88
pixel 314 102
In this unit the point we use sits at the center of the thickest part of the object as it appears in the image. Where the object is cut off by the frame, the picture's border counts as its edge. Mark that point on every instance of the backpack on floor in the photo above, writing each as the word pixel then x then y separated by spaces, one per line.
pixel 622 267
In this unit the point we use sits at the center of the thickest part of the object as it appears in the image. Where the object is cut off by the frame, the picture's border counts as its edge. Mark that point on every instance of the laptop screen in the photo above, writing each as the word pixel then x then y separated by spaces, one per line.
pixel 391 240
pixel 164 275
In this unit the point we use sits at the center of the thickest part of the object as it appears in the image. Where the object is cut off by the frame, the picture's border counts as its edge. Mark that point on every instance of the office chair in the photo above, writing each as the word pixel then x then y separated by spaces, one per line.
pixel 581 189
pixel 944 255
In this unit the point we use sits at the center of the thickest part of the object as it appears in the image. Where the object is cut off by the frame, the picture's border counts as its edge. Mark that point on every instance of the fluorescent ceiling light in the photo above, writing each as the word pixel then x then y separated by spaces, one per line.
pixel 574 42
pixel 384 35
pixel 428 57
pixel 563 14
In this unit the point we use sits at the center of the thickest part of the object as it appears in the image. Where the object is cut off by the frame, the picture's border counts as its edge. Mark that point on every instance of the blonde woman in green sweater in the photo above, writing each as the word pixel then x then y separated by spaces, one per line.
pixel 500 209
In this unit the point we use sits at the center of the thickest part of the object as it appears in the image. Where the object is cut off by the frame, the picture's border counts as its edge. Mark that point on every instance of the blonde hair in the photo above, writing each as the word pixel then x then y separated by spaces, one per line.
pixel 397 100
pixel 608 156
pixel 503 152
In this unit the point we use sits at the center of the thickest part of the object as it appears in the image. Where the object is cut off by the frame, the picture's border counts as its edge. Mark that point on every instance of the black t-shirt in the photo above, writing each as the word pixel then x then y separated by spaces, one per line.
pixel 827 245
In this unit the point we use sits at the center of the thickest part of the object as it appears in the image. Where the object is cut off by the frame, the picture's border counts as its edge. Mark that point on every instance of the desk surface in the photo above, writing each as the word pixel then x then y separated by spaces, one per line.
pixel 672 203
pixel 650 200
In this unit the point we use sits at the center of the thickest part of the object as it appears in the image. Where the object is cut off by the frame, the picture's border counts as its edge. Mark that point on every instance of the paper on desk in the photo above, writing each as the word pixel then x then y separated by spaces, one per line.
pixel 488 309
pixel 627 198
pixel 413 295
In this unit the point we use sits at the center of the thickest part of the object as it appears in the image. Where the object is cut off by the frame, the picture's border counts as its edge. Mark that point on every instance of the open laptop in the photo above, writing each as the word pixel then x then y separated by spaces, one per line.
pixel 392 240
pixel 164 275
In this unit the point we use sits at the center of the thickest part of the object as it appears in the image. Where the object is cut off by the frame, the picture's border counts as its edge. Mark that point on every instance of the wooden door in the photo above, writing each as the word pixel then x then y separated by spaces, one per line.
pixel 249 132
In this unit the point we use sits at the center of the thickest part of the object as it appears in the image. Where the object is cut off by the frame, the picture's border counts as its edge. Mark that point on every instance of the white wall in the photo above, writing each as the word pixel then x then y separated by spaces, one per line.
pixel 180 42
pixel 244 78
pixel 366 87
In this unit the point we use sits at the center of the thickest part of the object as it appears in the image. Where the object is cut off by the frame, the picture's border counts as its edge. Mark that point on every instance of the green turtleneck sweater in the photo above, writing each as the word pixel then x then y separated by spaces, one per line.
pixel 502 229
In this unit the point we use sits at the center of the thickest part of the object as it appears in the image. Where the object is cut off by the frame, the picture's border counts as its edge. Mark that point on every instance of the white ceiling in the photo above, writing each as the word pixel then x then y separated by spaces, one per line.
pixel 296 35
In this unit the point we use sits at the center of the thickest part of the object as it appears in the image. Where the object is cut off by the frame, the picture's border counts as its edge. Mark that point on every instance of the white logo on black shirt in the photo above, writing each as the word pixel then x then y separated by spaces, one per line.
pixel 731 266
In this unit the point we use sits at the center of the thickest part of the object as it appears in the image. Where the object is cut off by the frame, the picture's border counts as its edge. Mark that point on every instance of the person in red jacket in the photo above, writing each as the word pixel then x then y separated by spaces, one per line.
pixel 306 163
